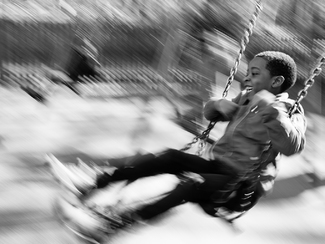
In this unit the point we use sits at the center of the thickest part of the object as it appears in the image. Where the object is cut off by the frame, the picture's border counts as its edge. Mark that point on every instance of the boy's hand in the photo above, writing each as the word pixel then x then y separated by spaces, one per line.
pixel 263 98
pixel 268 105
pixel 219 110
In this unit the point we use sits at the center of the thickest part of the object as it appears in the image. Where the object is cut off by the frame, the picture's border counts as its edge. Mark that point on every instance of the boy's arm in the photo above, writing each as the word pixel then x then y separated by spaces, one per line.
pixel 287 137
pixel 286 134
pixel 220 109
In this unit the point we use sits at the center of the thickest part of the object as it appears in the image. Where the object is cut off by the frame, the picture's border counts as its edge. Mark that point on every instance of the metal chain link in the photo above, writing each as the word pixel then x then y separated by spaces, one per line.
pixel 308 83
pixel 244 41
pixel 203 138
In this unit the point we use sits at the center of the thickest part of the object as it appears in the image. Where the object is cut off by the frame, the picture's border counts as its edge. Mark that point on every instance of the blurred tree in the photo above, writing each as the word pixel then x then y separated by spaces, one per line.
pixel 305 17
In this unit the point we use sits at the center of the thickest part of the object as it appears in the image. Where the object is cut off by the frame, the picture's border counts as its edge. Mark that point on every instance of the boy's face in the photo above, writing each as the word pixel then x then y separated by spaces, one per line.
pixel 258 77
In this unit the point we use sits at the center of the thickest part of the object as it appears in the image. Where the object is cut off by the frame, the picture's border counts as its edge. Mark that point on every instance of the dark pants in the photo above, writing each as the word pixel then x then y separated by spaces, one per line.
pixel 216 175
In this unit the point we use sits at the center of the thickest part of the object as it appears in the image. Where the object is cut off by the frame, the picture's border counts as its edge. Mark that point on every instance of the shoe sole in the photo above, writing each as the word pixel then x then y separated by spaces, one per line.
pixel 82 223
pixel 61 174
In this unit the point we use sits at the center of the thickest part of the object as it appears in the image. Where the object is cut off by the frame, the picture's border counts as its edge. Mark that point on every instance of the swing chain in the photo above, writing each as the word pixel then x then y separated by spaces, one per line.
pixel 244 41
pixel 243 45
pixel 308 83
pixel 203 138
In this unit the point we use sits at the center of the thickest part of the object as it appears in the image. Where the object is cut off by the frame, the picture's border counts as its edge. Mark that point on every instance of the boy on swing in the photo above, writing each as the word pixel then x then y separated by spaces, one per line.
pixel 258 123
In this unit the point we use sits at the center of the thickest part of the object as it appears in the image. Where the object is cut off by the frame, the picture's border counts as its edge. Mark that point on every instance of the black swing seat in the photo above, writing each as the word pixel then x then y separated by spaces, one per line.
pixel 239 200
pixel 242 193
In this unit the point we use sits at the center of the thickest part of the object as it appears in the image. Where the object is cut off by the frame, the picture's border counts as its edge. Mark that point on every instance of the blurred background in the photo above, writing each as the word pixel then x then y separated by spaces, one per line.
pixel 131 36
pixel 155 63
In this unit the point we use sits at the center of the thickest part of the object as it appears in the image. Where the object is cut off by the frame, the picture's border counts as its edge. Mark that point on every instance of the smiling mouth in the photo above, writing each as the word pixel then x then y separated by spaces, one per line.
pixel 248 88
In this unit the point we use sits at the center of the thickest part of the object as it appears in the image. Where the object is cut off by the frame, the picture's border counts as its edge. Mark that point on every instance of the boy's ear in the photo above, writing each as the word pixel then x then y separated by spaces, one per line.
pixel 277 81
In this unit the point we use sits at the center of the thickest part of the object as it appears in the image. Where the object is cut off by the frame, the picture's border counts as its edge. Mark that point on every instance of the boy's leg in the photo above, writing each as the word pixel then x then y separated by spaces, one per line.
pixel 135 159
pixel 188 191
pixel 174 198
pixel 169 162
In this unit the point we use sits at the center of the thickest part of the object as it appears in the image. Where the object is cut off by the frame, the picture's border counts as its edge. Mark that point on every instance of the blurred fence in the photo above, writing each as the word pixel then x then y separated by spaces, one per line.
pixel 124 51
pixel 49 43
pixel 35 43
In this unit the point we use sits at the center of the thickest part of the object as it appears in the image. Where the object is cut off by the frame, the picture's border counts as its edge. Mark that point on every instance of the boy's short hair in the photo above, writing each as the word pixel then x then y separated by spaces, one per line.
pixel 279 63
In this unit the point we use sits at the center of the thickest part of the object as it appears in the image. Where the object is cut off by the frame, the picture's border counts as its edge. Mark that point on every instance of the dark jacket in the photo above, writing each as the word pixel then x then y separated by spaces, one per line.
pixel 253 123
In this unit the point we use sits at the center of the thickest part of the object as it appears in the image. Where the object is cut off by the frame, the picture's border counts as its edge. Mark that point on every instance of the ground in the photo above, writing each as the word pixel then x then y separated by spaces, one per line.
pixel 69 125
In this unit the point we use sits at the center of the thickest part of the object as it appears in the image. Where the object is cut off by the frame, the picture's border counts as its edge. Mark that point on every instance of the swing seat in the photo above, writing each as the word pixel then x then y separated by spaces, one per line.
pixel 238 203
pixel 242 192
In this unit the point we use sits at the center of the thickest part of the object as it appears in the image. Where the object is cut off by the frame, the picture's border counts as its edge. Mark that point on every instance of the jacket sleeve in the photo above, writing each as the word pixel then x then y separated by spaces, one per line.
pixel 286 134
pixel 221 109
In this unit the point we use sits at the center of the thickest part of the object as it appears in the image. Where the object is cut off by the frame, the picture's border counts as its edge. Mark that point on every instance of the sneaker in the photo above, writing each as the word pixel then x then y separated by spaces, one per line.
pixel 62 174
pixel 78 179
pixel 83 222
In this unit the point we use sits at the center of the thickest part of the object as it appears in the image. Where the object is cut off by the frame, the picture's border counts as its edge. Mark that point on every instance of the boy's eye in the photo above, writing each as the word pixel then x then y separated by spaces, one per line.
pixel 253 74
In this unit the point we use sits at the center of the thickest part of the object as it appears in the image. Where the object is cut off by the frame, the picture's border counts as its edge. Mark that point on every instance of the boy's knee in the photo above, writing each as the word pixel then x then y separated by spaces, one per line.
pixel 169 153
pixel 172 151
pixel 138 159
pixel 192 178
